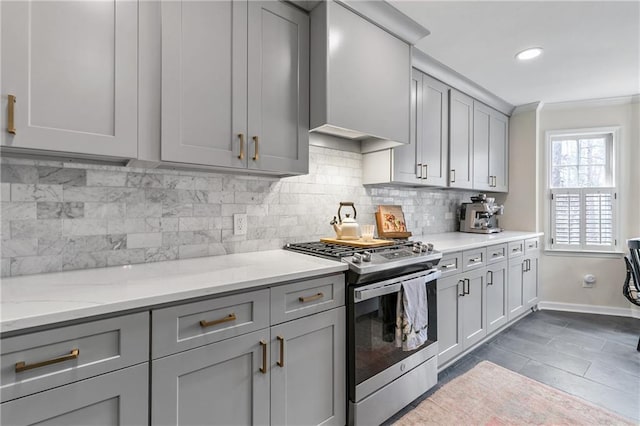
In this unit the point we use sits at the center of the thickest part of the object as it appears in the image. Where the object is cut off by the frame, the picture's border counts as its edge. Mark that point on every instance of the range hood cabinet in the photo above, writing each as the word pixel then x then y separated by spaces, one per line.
pixel 360 79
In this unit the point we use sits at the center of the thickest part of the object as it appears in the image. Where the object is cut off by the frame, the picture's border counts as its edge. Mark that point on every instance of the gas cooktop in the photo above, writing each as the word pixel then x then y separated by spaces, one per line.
pixel 368 260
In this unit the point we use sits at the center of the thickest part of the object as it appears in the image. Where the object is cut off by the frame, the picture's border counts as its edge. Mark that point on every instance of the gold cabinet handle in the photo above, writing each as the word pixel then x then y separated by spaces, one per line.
pixel 241 155
pixel 228 318
pixel 263 369
pixel 281 360
pixel 425 174
pixel 11 127
pixel 419 171
pixel 256 155
pixel 305 299
pixel 452 175
pixel 22 366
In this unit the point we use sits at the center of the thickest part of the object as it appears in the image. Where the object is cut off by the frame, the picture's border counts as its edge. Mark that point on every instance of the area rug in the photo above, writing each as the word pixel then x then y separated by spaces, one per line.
pixel 492 395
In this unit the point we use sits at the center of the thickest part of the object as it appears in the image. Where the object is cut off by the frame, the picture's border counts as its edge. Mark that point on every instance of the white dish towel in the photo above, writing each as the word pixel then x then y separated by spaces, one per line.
pixel 412 314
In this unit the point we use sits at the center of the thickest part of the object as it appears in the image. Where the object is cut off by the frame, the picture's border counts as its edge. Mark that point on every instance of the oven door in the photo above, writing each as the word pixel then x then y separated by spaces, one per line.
pixel 374 358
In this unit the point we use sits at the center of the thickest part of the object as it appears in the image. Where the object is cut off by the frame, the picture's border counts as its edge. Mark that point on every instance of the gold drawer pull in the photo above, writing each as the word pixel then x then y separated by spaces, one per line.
pixel 281 361
pixel 11 127
pixel 230 317
pixel 22 366
pixel 263 369
pixel 241 155
pixel 310 298
pixel 256 154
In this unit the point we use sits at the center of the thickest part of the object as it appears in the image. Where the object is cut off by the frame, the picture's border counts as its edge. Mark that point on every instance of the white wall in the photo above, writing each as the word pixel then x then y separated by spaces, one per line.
pixel 561 275
pixel 521 211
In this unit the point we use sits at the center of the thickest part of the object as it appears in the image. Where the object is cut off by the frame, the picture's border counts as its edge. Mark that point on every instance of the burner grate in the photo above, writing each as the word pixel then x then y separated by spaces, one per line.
pixel 338 251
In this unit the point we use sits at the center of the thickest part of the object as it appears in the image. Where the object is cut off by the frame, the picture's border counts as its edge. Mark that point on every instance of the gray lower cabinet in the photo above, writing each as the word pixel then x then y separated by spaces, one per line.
pixel 461 313
pixel 224 383
pixel 530 281
pixel 235 85
pixel 307 370
pixel 117 398
pixel 496 296
pixel 515 279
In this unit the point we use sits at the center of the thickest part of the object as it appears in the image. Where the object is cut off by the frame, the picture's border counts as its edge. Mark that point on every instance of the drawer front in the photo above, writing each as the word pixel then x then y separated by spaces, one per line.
pixel 38 361
pixel 516 249
pixel 474 259
pixel 496 253
pixel 304 298
pixel 450 264
pixel 531 245
pixel 183 327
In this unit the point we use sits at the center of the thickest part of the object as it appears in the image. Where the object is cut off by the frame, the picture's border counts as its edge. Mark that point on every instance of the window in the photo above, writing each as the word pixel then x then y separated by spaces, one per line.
pixel 583 191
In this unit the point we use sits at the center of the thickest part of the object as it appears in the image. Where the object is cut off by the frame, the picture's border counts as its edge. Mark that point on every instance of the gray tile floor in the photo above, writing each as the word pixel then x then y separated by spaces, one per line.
pixel 590 356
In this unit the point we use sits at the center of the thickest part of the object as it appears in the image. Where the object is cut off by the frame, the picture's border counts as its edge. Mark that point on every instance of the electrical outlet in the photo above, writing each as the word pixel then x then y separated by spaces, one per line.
pixel 240 224
pixel 448 215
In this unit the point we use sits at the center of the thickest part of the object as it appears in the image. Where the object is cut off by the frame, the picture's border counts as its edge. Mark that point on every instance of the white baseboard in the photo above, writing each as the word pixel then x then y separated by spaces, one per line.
pixel 590 309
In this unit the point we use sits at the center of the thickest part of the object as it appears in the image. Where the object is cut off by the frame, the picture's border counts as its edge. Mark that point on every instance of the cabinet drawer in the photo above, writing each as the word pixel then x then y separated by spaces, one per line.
pixel 304 298
pixel 178 328
pixel 516 249
pixel 496 253
pixel 531 244
pixel 42 360
pixel 450 264
pixel 474 259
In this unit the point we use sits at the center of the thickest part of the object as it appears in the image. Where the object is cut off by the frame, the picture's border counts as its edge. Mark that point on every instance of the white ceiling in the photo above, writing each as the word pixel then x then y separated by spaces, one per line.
pixel 591 48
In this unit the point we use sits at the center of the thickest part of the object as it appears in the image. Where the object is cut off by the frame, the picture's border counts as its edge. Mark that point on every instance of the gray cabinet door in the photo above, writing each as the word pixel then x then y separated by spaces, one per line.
pixel 481 125
pixel 499 151
pixel 516 299
pixel 218 384
pixel 449 314
pixel 72 67
pixel 117 398
pixel 204 82
pixel 406 157
pixel 308 359
pixel 433 122
pixel 278 78
pixel 472 311
pixel 496 296
pixel 460 140
pixel 530 282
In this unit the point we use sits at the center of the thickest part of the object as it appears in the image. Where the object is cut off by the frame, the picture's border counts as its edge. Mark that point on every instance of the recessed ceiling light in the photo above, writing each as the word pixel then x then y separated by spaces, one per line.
pixel 532 52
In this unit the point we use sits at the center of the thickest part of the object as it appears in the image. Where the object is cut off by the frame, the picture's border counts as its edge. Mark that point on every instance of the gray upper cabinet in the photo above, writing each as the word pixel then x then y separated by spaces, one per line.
pixel 235 85
pixel 70 70
pixel 460 140
pixel 490 149
pixel 422 162
pixel 360 77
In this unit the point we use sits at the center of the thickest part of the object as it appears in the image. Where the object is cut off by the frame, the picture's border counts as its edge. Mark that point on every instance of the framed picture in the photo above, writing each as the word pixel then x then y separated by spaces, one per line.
pixel 390 221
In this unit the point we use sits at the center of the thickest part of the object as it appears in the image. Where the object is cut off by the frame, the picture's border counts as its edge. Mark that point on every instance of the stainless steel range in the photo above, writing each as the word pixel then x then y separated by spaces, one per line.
pixel 381 377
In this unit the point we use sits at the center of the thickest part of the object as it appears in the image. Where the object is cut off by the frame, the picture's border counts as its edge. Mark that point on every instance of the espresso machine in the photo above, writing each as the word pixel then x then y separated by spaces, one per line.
pixel 480 215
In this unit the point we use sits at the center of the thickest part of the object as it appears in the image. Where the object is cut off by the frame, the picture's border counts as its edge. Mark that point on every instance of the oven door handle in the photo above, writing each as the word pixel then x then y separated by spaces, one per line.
pixel 391 286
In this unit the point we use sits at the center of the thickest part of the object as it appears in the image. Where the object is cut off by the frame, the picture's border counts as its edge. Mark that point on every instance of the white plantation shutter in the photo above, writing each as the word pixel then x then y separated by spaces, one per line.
pixel 583 219
pixel 567 221
pixel 599 214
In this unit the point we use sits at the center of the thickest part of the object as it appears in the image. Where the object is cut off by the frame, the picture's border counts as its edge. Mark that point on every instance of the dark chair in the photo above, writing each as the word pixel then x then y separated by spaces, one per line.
pixel 631 287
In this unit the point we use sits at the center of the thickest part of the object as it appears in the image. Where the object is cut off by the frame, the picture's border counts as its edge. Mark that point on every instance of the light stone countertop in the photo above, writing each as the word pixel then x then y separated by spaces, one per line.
pixel 37 300
pixel 448 242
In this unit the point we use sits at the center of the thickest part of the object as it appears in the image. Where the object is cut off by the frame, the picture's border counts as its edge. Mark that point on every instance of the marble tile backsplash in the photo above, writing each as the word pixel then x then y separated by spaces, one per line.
pixel 61 216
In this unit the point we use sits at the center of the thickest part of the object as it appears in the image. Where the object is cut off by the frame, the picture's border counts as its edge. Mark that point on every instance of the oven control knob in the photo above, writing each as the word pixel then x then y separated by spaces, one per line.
pixel 417 248
pixel 366 256
pixel 357 258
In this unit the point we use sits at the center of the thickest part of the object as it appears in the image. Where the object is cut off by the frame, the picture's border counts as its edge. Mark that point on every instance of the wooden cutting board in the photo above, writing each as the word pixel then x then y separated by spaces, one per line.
pixel 358 243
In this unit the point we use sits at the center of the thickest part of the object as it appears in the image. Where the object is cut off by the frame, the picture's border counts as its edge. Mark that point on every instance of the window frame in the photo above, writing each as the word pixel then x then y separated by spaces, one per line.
pixel 613 157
